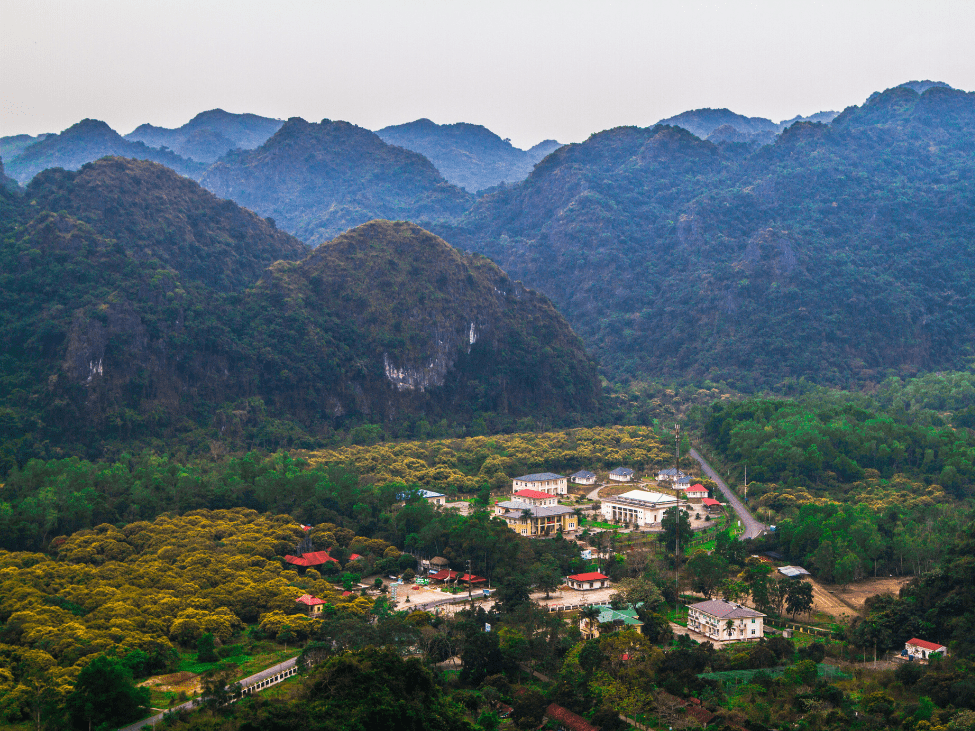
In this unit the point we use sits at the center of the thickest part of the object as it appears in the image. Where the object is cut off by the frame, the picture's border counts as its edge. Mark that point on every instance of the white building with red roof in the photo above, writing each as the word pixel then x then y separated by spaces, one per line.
pixel 694 492
pixel 710 502
pixel 585 582
pixel 922 650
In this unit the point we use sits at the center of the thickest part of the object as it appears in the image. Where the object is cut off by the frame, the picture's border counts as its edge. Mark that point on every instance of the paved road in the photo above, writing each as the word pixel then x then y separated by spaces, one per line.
pixel 752 527
pixel 594 494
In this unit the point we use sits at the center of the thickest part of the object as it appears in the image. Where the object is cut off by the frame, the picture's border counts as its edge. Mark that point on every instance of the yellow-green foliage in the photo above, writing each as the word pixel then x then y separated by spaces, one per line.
pixel 877 494
pixel 151 585
pixel 465 465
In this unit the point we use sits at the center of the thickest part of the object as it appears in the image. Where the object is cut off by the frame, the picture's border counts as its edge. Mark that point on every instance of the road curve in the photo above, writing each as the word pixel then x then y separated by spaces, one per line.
pixel 752 527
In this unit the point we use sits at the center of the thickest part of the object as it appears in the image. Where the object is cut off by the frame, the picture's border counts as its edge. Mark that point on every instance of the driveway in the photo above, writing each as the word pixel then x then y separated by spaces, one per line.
pixel 753 528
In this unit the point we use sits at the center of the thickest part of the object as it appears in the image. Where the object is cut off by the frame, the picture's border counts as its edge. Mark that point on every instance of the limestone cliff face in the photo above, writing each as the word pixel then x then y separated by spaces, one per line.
pixel 102 342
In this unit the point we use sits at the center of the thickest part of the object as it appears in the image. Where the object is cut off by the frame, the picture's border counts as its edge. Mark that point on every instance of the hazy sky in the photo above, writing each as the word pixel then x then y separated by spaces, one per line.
pixel 528 70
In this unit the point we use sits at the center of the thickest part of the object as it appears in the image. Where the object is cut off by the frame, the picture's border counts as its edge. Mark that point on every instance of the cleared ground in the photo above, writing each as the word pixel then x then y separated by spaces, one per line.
pixel 847 601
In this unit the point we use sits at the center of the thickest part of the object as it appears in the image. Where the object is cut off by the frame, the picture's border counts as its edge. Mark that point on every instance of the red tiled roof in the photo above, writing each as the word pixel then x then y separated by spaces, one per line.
pixel 697 486
pixel 346 593
pixel 533 494
pixel 591 576
pixel 354 557
pixel 444 574
pixel 934 646
pixel 315 558
pixel 568 719
pixel 709 501
pixel 474 578
pixel 309 600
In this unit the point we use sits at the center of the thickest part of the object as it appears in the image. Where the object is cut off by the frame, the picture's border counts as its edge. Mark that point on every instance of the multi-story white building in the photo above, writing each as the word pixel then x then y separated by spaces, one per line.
pixel 639 507
pixel 543 482
pixel 724 621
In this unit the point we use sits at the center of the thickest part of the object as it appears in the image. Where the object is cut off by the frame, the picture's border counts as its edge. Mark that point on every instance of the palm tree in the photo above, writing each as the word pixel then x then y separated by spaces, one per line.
pixel 589 615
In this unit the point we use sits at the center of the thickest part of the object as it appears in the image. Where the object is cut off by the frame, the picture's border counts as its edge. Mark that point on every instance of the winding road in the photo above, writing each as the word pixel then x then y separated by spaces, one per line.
pixel 753 528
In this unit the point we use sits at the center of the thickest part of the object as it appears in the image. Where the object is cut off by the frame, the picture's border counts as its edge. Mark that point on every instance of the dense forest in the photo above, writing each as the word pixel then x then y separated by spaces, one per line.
pixel 147 312
pixel 840 252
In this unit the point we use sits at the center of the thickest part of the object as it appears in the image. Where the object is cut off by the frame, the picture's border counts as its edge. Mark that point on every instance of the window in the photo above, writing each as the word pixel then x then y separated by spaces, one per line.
pixel 753 631
pixel 753 621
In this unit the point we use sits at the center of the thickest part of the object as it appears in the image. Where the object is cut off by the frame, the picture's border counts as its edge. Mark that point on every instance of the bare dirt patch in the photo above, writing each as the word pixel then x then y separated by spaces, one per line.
pixel 848 601
pixel 175 682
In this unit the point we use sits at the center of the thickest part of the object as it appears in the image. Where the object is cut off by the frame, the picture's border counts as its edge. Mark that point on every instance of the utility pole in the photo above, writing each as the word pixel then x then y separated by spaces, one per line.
pixel 470 594
pixel 746 482
pixel 677 520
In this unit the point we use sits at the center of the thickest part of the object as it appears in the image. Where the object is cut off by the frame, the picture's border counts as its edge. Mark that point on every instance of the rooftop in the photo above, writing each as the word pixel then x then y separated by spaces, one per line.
pixel 591 576
pixel 583 474
pixel 710 501
pixel 622 471
pixel 313 558
pixel 514 509
pixel 309 601
pixel 533 495
pixel 540 477
pixel 933 646
pixel 724 610
pixel 793 571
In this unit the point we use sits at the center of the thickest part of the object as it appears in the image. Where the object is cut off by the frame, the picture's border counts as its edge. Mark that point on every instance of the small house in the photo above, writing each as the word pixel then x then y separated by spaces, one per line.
pixel 711 504
pixel 311 604
pixel 622 474
pixel 585 582
pixel 434 498
pixel 582 477
pixel 670 475
pixel 696 492
pixel 619 618
pixel 922 650
pixel 793 572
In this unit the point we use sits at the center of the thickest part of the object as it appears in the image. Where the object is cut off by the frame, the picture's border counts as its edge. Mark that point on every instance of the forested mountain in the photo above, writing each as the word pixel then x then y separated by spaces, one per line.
pixel 468 155
pixel 127 317
pixel 158 215
pixel 209 135
pixel 842 252
pixel 13 145
pixel 719 125
pixel 317 180
pixel 89 140
pixel 702 122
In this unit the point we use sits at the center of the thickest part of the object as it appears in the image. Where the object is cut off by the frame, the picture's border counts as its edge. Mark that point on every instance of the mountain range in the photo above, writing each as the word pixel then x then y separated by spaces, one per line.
pixel 209 135
pixel 468 155
pixel 839 251
pixel 136 306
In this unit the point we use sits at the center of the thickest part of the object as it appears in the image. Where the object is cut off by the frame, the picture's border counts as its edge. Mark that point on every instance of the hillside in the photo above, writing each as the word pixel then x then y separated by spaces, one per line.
pixel 135 327
pixel 13 145
pixel 468 155
pixel 840 253
pixel 209 135
pixel 90 140
pixel 317 180
pixel 158 215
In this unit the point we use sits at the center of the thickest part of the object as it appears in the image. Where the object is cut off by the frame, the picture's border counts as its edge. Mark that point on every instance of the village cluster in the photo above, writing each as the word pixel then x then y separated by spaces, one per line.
pixel 534 511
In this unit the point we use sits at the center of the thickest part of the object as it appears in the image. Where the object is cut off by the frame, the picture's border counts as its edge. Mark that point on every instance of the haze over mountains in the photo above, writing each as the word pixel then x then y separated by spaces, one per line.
pixel 839 252
pixel 468 155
